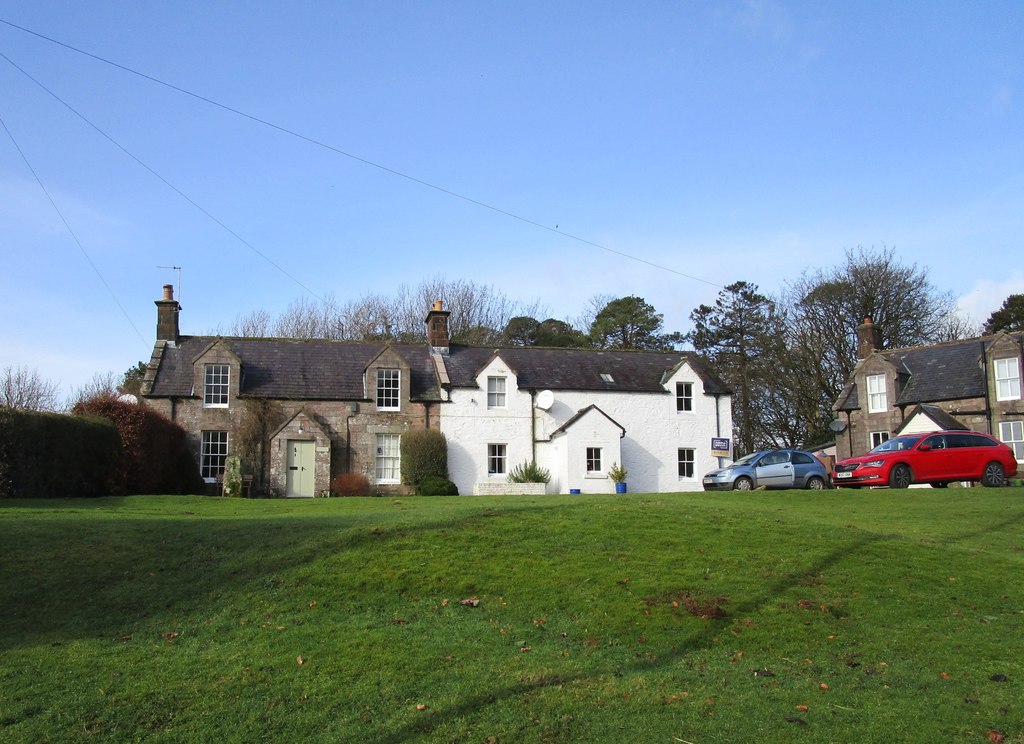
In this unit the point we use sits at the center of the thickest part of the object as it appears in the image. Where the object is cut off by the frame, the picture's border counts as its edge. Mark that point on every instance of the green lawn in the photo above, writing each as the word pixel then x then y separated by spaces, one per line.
pixel 875 616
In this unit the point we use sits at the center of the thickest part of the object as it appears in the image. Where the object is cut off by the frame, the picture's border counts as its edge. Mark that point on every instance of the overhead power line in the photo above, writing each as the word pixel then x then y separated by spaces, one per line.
pixel 70 230
pixel 167 183
pixel 352 156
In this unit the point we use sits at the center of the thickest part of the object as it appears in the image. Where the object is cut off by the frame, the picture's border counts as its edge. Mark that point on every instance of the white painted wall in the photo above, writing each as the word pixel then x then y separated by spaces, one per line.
pixel 654 433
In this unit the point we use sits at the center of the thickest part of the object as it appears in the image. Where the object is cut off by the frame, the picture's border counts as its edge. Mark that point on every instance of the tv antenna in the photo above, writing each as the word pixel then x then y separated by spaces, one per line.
pixel 178 269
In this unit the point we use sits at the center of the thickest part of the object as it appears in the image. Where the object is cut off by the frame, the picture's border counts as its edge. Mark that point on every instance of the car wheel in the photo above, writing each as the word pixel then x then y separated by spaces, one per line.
pixel 994 475
pixel 941 484
pixel 743 484
pixel 900 477
pixel 815 483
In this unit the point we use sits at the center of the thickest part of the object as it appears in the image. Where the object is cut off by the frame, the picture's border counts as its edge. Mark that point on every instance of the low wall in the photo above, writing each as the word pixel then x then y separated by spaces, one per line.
pixel 512 489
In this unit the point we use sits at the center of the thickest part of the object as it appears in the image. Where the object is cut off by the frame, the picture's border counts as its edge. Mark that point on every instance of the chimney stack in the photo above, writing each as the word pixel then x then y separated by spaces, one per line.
pixel 167 310
pixel 437 328
pixel 869 338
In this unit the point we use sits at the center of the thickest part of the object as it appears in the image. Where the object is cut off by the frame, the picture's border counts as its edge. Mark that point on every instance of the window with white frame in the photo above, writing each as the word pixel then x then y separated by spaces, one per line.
pixel 1007 379
pixel 1012 433
pixel 213 453
pixel 216 383
pixel 594 461
pixel 877 437
pixel 496 459
pixel 388 458
pixel 389 382
pixel 686 462
pixel 877 401
pixel 495 392
pixel 684 396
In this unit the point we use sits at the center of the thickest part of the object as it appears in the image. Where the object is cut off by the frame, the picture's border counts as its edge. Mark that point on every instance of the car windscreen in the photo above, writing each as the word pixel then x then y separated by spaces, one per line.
pixel 895 445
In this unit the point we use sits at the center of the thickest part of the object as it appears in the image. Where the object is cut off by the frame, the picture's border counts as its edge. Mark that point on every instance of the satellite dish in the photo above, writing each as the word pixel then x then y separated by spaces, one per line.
pixel 837 425
pixel 545 399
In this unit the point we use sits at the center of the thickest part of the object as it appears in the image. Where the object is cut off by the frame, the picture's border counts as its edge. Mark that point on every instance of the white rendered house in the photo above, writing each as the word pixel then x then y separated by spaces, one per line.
pixel 578 412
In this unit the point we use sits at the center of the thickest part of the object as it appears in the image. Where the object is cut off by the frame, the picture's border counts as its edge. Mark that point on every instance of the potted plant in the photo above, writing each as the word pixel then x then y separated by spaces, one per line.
pixel 618 474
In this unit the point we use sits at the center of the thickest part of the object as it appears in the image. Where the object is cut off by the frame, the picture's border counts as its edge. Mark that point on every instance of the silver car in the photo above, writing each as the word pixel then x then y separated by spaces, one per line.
pixel 782 468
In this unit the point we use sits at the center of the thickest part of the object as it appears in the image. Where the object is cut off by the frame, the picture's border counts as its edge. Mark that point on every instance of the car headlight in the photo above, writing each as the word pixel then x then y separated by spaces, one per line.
pixel 874 464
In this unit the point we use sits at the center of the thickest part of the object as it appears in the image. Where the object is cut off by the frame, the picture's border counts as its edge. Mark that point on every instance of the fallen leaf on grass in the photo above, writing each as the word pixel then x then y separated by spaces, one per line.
pixel 796 719
pixel 421 706
pixel 802 708
pixel 764 673
pixel 996 737
pixel 313 603
pixel 470 602
pixel 300 660
pixel 169 636
pixel 946 675
pixel 823 687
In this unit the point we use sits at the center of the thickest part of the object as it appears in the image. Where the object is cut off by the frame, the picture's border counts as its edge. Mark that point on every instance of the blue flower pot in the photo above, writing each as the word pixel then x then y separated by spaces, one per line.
pixel 620 488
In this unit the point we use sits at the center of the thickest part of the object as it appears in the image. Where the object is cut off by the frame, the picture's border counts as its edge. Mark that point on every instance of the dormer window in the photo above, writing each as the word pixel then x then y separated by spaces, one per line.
pixel 216 384
pixel 389 382
pixel 877 399
pixel 496 392
pixel 684 396
pixel 1007 379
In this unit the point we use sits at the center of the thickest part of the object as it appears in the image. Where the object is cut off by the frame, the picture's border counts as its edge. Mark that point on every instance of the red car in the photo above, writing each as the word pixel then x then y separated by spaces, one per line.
pixel 938 458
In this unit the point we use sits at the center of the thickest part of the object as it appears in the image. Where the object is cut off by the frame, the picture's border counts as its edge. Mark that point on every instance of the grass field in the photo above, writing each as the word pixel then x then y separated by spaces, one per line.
pixel 872 616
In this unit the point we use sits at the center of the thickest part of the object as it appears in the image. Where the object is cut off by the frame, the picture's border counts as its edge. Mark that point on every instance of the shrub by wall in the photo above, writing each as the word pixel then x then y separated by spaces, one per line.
pixel 45 455
pixel 434 486
pixel 156 454
pixel 350 484
pixel 424 453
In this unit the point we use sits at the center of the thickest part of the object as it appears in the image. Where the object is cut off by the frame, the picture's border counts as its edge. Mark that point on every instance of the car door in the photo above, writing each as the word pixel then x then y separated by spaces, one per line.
pixel 774 470
pixel 803 466
pixel 935 462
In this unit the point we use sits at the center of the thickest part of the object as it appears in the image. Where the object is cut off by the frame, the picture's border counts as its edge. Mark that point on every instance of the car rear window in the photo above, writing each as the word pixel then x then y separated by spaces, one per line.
pixel 969 440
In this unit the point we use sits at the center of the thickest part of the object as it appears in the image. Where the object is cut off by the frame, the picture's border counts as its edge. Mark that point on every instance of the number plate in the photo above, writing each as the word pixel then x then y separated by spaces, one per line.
pixel 843 475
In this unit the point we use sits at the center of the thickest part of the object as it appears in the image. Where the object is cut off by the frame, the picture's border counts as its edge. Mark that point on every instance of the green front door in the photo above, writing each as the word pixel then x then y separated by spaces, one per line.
pixel 299 480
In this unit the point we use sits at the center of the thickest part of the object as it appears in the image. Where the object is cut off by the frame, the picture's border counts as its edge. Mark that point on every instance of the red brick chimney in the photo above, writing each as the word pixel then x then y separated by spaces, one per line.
pixel 167 310
pixel 869 338
pixel 437 328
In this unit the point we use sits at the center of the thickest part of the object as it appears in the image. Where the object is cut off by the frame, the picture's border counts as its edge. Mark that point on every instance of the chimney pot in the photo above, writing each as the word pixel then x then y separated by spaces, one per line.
pixel 168 292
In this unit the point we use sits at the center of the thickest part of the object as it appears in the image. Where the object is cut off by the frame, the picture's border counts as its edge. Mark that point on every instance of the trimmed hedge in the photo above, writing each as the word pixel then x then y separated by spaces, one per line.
pixel 156 457
pixel 48 454
pixel 434 486
pixel 424 453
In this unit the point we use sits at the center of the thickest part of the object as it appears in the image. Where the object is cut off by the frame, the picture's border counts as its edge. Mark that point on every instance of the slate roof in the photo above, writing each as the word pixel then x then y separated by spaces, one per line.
pixel 333 370
pixel 929 374
pixel 293 369
pixel 579 369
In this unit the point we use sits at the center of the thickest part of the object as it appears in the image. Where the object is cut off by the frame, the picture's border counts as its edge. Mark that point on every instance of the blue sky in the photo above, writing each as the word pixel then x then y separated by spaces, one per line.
pixel 715 140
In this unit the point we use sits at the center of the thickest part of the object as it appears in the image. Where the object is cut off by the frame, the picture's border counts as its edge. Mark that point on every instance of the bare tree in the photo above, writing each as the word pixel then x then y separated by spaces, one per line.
pixel 102 385
pixel 23 387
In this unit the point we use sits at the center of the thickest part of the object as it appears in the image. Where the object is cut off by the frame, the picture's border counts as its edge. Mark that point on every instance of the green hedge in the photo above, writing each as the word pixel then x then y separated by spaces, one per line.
pixel 156 454
pixel 424 454
pixel 48 454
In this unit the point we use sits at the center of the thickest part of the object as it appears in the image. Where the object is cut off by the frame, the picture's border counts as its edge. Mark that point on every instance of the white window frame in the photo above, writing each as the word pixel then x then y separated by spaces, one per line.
pixel 877 437
pixel 389 389
pixel 216 385
pixel 1012 434
pixel 497 458
pixel 388 458
pixel 684 397
pixel 1007 378
pixel 686 460
pixel 496 392
pixel 212 454
pixel 878 399
pixel 594 461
